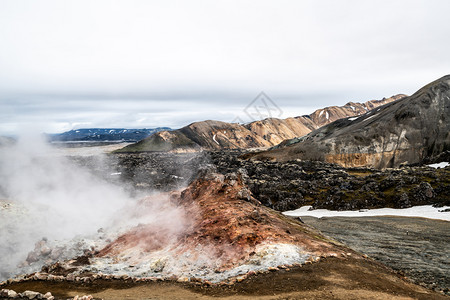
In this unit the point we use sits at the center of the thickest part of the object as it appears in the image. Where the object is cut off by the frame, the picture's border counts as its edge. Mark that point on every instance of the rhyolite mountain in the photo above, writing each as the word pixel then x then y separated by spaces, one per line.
pixel 408 131
pixel 217 135
pixel 104 134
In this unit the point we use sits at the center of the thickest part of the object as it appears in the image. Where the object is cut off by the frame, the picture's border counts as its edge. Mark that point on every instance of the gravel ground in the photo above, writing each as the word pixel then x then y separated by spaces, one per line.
pixel 416 246
pixel 332 278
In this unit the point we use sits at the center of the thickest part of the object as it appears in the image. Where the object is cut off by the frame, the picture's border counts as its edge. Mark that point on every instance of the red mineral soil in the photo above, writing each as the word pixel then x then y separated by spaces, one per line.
pixel 228 231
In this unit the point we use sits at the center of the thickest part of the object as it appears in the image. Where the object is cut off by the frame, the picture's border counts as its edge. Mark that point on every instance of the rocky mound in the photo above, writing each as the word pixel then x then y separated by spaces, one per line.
pixel 290 185
pixel 227 234
pixel 218 233
pixel 216 135
pixel 410 130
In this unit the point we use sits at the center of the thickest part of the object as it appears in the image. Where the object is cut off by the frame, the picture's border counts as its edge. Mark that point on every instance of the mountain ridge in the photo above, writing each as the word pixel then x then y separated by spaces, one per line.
pixel 217 135
pixel 410 130
pixel 104 134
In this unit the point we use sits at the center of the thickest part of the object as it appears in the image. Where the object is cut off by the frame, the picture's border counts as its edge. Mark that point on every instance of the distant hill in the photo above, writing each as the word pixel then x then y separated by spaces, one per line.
pixel 411 130
pixel 216 135
pixel 104 134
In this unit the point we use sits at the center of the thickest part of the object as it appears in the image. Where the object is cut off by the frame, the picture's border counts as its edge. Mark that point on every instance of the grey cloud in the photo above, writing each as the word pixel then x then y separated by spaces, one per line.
pixel 208 60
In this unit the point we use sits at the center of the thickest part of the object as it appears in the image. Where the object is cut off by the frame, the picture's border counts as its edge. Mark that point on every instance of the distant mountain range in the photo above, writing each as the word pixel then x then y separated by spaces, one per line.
pixel 216 135
pixel 410 130
pixel 104 134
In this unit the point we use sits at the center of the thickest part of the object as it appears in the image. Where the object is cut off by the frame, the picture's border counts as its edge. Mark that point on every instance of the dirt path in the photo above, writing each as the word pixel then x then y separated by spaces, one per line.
pixel 332 278
pixel 418 247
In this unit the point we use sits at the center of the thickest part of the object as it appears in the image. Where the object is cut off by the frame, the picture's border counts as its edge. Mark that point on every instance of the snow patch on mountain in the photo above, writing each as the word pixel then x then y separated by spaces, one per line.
pixel 440 165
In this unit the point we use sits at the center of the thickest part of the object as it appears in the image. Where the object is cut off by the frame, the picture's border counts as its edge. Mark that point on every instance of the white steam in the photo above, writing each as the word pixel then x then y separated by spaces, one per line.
pixel 43 195
pixel 51 210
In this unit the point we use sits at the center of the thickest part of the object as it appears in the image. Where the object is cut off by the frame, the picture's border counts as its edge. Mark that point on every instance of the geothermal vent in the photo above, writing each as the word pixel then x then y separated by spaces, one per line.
pixel 218 233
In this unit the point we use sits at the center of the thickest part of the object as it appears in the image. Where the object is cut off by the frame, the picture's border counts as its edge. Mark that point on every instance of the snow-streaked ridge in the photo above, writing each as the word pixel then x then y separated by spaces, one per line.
pixel 214 138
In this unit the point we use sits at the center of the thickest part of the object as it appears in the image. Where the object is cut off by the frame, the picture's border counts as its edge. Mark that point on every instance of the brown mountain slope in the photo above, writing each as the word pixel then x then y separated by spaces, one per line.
pixel 215 135
pixel 409 130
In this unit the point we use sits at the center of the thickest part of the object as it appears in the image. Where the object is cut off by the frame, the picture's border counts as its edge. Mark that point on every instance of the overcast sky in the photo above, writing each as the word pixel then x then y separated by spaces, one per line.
pixel 103 63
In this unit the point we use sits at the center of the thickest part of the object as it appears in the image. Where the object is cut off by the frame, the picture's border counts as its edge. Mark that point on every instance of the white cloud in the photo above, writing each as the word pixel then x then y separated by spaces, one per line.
pixel 228 50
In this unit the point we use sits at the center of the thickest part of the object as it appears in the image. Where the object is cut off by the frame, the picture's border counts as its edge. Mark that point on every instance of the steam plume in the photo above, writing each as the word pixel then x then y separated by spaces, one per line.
pixel 46 196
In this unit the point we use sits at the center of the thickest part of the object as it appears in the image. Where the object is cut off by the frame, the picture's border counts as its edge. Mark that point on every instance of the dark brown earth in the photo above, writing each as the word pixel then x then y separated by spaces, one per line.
pixel 418 247
pixel 331 278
